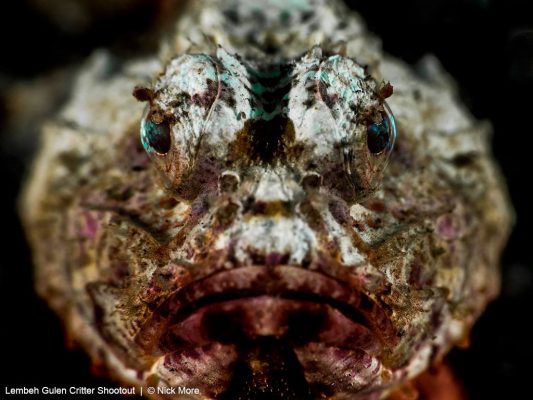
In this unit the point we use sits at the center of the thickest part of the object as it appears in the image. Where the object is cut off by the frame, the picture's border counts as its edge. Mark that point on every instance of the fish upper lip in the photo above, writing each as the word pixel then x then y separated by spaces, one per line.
pixel 287 282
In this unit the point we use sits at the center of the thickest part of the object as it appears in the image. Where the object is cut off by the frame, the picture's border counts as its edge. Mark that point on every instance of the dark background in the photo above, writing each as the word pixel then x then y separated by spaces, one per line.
pixel 486 45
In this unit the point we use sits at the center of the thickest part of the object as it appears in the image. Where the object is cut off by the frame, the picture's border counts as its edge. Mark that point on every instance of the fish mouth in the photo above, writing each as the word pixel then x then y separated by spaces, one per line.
pixel 332 333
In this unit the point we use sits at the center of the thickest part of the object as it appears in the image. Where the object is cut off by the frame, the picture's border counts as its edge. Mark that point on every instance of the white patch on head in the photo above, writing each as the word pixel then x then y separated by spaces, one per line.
pixel 226 120
pixel 268 235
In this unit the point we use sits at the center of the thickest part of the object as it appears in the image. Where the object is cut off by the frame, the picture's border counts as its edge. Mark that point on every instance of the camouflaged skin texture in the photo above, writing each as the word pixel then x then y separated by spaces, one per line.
pixel 397 261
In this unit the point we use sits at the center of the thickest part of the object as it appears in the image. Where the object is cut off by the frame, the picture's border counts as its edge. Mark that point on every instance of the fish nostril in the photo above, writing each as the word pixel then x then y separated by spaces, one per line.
pixel 228 182
pixel 311 181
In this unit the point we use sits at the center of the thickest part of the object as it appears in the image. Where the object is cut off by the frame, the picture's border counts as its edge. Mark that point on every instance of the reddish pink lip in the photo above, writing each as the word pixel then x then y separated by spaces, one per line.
pixel 333 329
pixel 280 289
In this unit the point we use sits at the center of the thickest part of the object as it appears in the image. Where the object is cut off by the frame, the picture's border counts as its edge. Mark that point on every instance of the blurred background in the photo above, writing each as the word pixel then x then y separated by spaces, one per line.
pixel 486 45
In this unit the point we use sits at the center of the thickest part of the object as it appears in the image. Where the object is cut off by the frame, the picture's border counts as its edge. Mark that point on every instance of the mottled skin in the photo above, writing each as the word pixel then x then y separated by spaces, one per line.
pixel 257 246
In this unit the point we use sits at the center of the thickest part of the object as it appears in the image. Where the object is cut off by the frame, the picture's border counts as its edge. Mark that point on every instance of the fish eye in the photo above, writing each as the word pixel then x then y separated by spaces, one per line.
pixel 155 137
pixel 381 135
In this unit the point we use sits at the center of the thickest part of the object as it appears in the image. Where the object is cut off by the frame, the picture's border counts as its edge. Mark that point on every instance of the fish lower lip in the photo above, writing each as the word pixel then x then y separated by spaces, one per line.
pixel 286 291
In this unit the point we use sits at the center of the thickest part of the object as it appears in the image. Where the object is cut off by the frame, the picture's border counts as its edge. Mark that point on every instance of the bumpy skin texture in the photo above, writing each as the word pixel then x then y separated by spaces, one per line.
pixel 256 233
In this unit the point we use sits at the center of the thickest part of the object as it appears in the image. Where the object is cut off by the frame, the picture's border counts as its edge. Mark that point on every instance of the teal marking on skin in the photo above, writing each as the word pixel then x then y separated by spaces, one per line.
pixel 258 88
pixel 210 74
pixel 225 77
pixel 324 77
pixel 270 73
pixel 299 5
pixel 260 113
pixel 284 16
pixel 256 113
pixel 268 81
